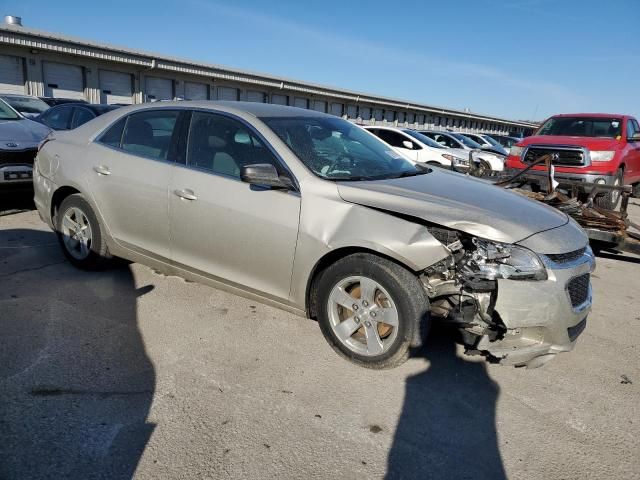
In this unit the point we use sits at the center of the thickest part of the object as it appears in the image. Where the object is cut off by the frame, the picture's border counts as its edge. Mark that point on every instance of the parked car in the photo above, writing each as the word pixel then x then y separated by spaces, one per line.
pixel 506 141
pixel 489 161
pixel 68 116
pixel 309 213
pixel 595 148
pixel 419 148
pixel 27 105
pixel 19 139
pixel 53 101
pixel 487 143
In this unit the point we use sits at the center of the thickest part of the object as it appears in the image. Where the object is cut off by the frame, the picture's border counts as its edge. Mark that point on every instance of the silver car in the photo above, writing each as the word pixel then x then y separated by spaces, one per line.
pixel 311 214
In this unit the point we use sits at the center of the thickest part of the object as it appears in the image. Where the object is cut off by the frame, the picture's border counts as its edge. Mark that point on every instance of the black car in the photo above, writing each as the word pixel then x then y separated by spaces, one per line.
pixel 52 102
pixel 19 140
pixel 71 115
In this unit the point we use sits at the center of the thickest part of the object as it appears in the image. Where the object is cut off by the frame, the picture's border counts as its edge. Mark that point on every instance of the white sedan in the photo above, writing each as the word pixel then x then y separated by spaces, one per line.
pixel 419 148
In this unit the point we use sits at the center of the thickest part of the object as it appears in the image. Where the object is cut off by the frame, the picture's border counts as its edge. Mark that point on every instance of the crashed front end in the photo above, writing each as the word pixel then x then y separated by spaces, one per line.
pixel 511 304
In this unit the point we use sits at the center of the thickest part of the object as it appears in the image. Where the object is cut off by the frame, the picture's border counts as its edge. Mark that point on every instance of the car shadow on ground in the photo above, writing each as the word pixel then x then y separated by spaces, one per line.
pixel 447 426
pixel 621 257
pixel 76 382
pixel 16 200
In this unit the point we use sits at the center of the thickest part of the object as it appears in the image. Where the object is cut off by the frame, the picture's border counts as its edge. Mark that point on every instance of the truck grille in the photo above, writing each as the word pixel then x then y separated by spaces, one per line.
pixel 24 157
pixel 565 156
pixel 578 289
pixel 562 258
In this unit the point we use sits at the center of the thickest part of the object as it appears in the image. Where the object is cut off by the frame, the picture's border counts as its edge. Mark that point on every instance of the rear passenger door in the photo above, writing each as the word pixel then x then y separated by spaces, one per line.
pixel 226 229
pixel 129 178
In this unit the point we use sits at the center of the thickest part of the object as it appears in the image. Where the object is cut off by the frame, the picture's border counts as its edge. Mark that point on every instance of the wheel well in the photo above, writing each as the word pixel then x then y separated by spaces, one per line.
pixel 58 197
pixel 329 259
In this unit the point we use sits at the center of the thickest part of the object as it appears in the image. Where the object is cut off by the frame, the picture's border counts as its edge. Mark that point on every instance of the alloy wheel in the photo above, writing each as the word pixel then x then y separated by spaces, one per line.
pixel 76 233
pixel 363 316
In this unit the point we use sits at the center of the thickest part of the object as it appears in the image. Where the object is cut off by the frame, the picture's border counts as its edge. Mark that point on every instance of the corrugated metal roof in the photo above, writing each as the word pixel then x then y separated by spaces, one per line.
pixel 31 38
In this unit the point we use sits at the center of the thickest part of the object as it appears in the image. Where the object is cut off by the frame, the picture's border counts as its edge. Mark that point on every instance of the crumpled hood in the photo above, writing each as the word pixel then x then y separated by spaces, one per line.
pixel 26 133
pixel 459 202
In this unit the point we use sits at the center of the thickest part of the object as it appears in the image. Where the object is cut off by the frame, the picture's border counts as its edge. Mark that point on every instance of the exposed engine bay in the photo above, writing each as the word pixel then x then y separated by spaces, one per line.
pixel 463 287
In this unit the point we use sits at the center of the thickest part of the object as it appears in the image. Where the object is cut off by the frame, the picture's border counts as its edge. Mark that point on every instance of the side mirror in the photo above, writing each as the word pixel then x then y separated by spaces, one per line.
pixel 634 138
pixel 407 144
pixel 264 174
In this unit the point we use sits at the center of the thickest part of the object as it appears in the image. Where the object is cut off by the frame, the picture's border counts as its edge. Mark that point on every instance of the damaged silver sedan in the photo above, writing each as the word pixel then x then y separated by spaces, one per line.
pixel 314 215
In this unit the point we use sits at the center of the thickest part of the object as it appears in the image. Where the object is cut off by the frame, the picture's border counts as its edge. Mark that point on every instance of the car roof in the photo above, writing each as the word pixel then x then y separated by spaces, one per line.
pixel 18 95
pixel 385 127
pixel 591 115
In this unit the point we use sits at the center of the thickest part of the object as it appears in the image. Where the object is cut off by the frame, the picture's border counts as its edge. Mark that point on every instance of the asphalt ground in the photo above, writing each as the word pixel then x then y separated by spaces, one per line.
pixel 129 373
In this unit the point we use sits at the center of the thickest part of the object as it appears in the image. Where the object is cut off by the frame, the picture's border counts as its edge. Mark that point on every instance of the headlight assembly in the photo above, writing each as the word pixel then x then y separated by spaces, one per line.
pixel 602 155
pixel 515 151
pixel 455 160
pixel 492 260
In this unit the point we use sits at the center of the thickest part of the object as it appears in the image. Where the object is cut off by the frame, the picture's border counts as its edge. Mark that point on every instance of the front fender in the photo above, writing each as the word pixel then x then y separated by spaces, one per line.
pixel 348 225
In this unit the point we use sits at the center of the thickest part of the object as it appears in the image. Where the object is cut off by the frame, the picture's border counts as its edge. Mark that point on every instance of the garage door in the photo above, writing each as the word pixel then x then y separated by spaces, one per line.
pixel 253 96
pixel 63 81
pixel 158 89
pixel 336 109
pixel 365 113
pixel 115 87
pixel 196 91
pixel 352 111
pixel 279 99
pixel 300 102
pixel 11 74
pixel 320 106
pixel 227 93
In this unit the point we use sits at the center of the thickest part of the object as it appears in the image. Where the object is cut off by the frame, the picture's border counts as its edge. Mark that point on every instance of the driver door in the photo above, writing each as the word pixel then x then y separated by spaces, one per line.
pixel 224 228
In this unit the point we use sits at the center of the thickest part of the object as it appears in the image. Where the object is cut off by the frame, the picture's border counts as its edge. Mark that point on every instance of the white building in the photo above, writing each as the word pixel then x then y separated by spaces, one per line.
pixel 52 65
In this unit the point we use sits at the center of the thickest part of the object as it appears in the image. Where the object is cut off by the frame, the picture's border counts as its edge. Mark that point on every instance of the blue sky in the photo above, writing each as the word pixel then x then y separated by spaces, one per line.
pixel 519 59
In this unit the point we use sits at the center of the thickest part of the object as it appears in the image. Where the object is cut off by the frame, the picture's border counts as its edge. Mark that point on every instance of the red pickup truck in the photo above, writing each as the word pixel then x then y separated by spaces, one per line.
pixel 590 147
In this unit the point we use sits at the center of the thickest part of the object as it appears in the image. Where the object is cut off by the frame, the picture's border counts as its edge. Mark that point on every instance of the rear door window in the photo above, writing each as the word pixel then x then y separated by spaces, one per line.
pixel 149 133
pixel 81 116
pixel 59 118
pixel 113 135
pixel 395 139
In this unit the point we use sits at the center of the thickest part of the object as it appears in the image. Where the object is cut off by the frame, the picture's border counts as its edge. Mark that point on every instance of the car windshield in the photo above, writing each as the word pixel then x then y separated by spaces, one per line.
pixel 423 138
pixel 26 104
pixel 336 149
pixel 582 127
pixel 7 113
pixel 492 141
pixel 465 140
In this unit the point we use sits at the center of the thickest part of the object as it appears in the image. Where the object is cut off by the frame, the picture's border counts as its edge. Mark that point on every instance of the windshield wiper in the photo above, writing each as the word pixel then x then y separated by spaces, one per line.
pixel 422 171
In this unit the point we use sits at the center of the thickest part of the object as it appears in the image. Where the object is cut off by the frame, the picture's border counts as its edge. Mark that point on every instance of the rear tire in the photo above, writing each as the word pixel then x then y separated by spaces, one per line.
pixel 610 200
pixel 80 234
pixel 357 296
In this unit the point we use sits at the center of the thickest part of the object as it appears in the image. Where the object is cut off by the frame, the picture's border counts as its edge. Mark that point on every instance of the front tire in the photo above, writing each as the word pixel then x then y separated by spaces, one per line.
pixel 80 234
pixel 370 309
pixel 609 201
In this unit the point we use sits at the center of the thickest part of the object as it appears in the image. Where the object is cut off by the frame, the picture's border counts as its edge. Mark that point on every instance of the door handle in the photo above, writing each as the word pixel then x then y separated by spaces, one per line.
pixel 102 170
pixel 186 194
